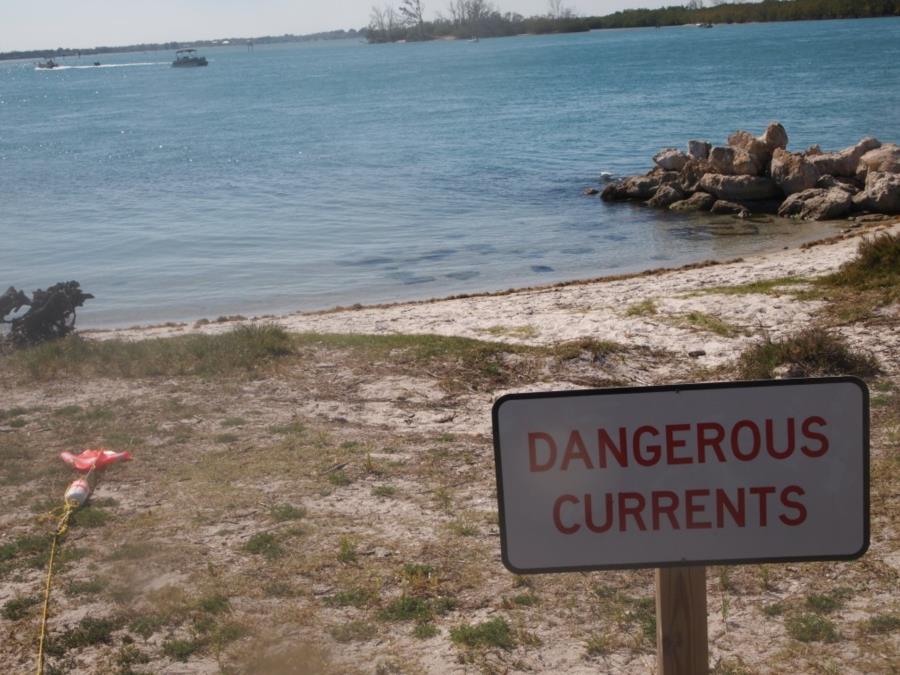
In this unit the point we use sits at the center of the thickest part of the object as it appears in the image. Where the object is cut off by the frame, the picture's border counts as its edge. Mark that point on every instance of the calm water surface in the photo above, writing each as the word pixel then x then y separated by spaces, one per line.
pixel 305 176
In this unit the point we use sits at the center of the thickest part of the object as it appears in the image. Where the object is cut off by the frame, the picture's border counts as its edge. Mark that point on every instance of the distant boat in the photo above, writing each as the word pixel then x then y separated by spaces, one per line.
pixel 187 58
pixel 474 38
pixel 48 64
pixel 704 25
pixel 96 63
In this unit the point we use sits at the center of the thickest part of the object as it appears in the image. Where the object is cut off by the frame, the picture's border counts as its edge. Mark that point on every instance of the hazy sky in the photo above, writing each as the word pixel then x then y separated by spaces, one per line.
pixel 44 24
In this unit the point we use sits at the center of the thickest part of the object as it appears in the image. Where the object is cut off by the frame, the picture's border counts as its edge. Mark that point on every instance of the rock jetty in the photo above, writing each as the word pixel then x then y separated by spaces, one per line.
pixel 758 174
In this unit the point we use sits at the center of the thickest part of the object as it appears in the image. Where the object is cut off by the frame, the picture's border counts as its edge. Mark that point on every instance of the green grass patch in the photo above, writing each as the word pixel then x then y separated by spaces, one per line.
pixel 214 604
pixel 352 597
pixel 353 631
pixel 595 349
pixel 18 608
pixel 385 491
pixel 339 478
pixel 825 603
pixel 493 633
pixel 346 551
pixel 812 352
pixel 882 624
pixel 773 609
pixel 264 544
pixel 284 512
pixel 643 308
pixel 710 324
pixel 90 516
pixel 425 630
pixel 811 628
pixel 875 267
pixel 598 645
pixel 182 649
pixel 242 350
pixel 85 587
pixel 89 631
pixel 406 608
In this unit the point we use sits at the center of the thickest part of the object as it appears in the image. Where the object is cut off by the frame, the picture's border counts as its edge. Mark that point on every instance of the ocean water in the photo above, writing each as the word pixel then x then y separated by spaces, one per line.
pixel 304 176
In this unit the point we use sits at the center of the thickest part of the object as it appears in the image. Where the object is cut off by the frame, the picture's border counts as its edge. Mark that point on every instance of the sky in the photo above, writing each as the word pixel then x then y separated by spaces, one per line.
pixel 48 24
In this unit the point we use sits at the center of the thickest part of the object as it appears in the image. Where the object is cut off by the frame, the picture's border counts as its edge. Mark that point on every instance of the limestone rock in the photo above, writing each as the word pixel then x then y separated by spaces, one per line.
pixel 699 149
pixel 792 172
pixel 775 136
pixel 846 184
pixel 665 196
pixel 845 162
pixel 817 204
pixel 739 188
pixel 671 159
pixel 699 201
pixel 885 158
pixel 759 151
pixel 614 192
pixel 733 162
pixel 690 175
pixel 724 207
pixel 882 193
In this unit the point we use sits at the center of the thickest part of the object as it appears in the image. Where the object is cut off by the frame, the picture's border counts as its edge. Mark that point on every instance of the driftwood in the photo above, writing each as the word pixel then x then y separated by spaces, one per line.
pixel 50 315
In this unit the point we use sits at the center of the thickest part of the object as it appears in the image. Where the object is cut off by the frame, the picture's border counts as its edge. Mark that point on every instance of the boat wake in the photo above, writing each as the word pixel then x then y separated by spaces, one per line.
pixel 106 65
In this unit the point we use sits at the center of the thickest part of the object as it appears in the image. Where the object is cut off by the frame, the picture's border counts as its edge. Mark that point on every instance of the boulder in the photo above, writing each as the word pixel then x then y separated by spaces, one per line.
pixel 590 191
pixel 817 204
pixel 723 207
pixel 882 193
pixel 846 184
pixel 665 196
pixel 885 158
pixel 845 162
pixel 739 188
pixel 699 149
pixel 775 137
pixel 814 150
pixel 792 172
pixel 759 151
pixel 614 192
pixel 638 187
pixel 733 162
pixel 689 177
pixel 699 201
pixel 671 159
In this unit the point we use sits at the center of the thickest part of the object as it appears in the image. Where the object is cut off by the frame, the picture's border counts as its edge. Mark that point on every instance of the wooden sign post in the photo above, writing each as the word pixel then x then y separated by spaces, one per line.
pixel 679 477
pixel 681 635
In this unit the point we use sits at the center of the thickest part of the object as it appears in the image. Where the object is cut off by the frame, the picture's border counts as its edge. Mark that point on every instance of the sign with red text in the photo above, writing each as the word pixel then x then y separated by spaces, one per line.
pixel 692 474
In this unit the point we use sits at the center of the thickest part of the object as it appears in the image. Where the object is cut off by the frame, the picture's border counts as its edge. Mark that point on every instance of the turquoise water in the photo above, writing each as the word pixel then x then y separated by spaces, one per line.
pixel 304 176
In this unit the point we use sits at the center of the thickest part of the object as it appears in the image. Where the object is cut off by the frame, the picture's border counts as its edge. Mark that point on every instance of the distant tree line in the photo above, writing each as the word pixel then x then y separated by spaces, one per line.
pixel 466 19
pixel 480 18
pixel 720 11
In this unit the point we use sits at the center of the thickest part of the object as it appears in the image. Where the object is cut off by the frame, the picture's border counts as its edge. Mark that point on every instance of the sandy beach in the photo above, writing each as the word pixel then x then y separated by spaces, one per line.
pixel 335 506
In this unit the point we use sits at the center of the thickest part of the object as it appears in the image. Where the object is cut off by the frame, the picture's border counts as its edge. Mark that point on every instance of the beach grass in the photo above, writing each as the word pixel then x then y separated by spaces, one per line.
pixel 811 352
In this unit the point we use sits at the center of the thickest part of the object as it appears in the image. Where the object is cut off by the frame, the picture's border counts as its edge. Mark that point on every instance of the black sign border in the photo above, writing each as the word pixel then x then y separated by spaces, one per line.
pixel 575 393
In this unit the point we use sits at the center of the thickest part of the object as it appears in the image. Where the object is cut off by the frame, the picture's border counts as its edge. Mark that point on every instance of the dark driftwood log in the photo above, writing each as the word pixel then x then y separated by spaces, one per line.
pixel 50 315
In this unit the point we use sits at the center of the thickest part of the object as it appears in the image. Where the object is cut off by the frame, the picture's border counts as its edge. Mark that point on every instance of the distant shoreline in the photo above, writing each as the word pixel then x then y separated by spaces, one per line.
pixel 637 18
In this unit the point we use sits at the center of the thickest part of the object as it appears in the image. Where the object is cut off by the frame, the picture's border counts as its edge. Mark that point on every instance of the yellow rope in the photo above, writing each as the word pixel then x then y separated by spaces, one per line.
pixel 61 528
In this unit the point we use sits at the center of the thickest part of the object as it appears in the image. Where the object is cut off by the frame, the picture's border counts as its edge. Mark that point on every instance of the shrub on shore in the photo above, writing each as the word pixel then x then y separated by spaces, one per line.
pixel 812 352
pixel 876 267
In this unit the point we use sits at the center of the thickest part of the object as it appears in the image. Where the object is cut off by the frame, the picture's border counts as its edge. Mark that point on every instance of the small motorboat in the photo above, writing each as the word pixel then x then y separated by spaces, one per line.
pixel 96 63
pixel 188 58
pixel 48 64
